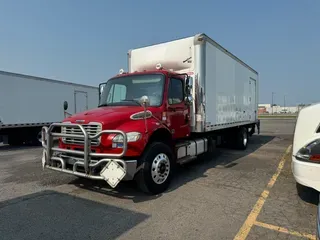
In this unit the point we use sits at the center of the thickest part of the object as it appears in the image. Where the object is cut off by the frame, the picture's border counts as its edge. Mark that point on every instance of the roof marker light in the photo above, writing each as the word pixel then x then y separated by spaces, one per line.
pixel 158 66
pixel 121 71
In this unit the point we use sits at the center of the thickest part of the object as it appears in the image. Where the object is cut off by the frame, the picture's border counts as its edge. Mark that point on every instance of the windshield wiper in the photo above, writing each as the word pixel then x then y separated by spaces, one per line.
pixel 131 100
pixel 103 105
pixel 116 103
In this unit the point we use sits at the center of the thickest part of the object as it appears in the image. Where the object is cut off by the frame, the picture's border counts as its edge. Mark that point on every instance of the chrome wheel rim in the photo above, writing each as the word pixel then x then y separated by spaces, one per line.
pixel 160 168
pixel 245 139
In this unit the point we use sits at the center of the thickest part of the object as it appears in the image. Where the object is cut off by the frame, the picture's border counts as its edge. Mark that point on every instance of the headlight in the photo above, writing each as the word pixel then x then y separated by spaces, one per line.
pixel 131 137
pixel 310 152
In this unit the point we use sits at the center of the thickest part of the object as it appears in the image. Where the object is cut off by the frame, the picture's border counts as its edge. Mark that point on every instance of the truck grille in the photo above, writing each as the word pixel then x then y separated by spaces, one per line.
pixel 91 128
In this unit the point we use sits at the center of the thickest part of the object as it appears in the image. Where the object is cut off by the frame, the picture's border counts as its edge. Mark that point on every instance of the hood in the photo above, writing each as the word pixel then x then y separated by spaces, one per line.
pixel 112 116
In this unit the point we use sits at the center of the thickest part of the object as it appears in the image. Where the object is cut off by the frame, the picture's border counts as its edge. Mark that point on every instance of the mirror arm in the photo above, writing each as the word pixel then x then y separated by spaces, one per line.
pixel 144 101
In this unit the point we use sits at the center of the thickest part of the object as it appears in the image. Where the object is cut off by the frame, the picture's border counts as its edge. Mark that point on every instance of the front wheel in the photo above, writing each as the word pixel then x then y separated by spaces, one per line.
pixel 157 168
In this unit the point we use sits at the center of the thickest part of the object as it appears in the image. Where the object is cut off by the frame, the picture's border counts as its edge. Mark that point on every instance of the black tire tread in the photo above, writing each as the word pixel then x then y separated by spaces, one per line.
pixel 239 139
pixel 142 180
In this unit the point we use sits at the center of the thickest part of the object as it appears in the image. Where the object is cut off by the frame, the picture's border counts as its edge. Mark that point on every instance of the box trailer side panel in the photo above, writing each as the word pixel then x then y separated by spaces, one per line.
pixel 231 91
pixel 224 88
pixel 27 100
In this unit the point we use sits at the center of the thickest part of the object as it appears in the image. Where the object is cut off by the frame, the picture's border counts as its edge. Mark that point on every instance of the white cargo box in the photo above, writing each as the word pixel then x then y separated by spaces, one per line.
pixel 33 101
pixel 225 89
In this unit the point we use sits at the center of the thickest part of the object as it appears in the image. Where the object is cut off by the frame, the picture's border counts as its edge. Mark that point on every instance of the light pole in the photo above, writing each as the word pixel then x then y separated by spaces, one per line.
pixel 272 103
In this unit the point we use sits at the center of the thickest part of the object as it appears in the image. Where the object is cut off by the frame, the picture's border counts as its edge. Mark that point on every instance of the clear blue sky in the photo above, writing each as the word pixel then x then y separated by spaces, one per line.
pixel 86 41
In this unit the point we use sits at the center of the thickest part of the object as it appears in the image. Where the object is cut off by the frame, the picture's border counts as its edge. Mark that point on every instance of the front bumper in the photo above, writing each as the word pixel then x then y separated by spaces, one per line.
pixel 87 164
pixel 306 173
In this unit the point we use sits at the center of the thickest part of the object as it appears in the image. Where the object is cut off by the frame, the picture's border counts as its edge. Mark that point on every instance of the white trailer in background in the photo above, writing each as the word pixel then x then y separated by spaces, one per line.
pixel 28 103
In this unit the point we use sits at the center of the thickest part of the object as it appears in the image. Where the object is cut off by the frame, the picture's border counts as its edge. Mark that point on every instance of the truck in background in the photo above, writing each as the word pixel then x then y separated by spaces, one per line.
pixel 28 103
pixel 178 100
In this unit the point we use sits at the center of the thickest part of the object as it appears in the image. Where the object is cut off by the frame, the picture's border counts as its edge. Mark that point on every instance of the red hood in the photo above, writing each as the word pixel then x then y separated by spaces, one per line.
pixel 110 116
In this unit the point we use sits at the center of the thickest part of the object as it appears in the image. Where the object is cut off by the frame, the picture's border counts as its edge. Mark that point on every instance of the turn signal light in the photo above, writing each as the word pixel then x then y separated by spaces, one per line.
pixel 315 157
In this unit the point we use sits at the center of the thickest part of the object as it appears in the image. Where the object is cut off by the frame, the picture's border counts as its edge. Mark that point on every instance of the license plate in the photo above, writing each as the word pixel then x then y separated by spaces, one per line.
pixel 113 173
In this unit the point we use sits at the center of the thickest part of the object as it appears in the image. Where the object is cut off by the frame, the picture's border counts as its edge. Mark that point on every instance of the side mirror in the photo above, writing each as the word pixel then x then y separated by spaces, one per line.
pixel 187 81
pixel 144 101
pixel 65 105
pixel 188 89
pixel 188 99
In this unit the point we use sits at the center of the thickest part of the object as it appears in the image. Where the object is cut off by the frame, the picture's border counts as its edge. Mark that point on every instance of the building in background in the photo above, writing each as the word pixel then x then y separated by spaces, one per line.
pixel 276 109
pixel 262 110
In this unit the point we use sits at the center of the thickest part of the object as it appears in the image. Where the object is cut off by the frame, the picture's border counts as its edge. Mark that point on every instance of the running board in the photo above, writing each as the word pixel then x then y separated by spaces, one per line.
pixel 186 159
pixel 190 149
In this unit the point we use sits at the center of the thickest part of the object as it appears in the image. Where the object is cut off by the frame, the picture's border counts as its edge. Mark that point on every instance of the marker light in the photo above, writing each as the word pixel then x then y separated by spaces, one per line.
pixel 158 66
pixel 121 71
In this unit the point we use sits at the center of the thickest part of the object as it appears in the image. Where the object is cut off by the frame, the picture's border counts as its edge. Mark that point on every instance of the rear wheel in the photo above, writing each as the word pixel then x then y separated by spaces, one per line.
pixel 242 138
pixel 37 138
pixel 157 168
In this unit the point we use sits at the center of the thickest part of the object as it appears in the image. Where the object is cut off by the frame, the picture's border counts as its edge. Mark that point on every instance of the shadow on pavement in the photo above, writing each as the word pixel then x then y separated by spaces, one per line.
pixel 15 148
pixel 54 215
pixel 221 158
pixel 125 190
pixel 224 158
pixel 25 146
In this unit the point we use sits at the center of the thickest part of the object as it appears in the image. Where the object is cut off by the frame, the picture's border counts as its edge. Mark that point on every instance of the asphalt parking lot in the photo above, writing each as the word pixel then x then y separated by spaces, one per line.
pixel 232 195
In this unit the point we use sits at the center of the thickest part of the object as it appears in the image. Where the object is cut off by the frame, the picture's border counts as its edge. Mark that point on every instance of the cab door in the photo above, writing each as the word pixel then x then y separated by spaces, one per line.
pixel 178 111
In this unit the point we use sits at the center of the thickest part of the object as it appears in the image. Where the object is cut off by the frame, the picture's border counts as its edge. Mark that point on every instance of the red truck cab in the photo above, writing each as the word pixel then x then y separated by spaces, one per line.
pixel 130 135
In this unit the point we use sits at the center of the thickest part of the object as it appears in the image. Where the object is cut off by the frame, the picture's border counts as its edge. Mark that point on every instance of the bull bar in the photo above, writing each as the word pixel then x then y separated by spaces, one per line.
pixel 113 172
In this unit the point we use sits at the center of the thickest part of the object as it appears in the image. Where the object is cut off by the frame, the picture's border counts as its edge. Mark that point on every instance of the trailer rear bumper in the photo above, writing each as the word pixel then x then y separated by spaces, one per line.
pixel 87 164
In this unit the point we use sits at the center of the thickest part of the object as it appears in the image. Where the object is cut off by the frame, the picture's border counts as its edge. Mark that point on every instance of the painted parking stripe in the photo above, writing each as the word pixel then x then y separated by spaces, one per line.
pixel 252 217
pixel 285 230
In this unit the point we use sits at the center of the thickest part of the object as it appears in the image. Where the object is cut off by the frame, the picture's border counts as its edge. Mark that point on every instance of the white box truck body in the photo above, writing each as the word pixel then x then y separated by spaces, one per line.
pixel 224 88
pixel 28 103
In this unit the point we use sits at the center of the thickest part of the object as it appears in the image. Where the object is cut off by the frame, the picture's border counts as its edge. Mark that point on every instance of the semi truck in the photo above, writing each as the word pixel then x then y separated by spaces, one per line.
pixel 28 103
pixel 178 100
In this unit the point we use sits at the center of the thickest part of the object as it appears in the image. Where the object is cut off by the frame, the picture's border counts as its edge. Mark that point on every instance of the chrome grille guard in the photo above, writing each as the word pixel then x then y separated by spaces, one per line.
pixel 47 143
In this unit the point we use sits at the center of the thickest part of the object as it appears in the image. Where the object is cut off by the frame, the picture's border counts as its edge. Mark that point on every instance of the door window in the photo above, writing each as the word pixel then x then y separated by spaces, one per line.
pixel 176 93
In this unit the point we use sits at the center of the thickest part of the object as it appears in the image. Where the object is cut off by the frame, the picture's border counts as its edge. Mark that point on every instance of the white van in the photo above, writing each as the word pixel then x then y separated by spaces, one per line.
pixel 306 151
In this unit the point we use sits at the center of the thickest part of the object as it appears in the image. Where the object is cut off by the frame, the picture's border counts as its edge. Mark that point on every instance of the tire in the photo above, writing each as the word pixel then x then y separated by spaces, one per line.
pixel 242 139
pixel 36 139
pixel 157 168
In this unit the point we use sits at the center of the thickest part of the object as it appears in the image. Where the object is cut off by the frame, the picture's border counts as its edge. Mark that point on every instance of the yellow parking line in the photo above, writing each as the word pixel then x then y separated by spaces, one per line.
pixel 251 219
pixel 284 230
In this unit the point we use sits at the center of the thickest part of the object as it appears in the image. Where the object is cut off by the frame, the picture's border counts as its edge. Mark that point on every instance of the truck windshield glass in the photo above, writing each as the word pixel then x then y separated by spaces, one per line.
pixel 127 90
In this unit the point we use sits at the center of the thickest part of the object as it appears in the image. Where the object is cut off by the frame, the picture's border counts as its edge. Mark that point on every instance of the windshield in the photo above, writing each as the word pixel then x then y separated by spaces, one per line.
pixel 128 90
